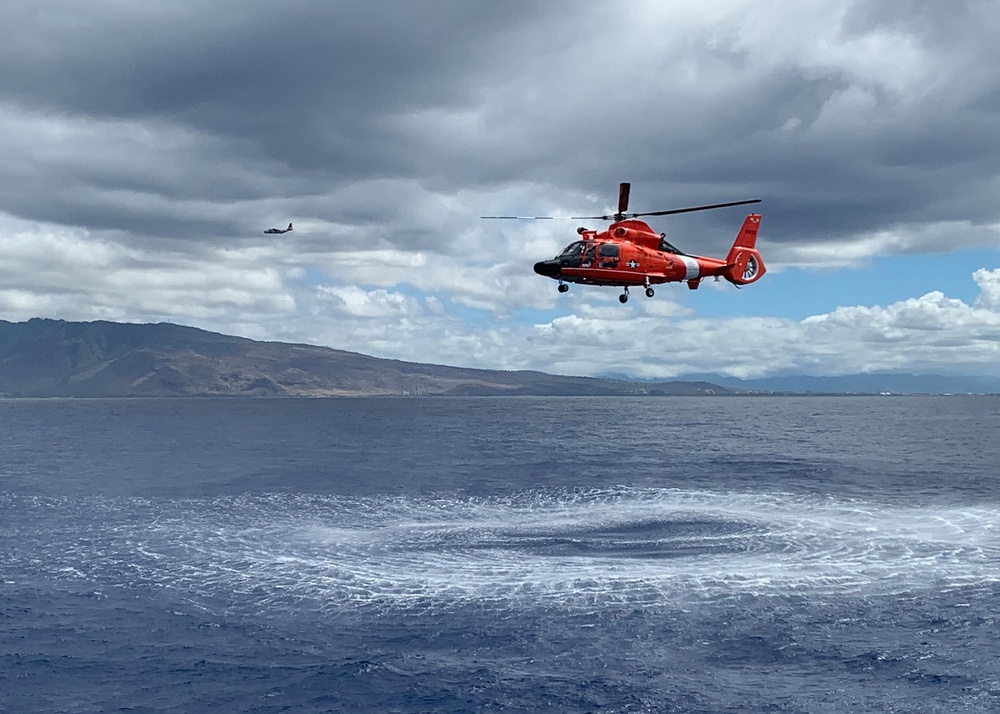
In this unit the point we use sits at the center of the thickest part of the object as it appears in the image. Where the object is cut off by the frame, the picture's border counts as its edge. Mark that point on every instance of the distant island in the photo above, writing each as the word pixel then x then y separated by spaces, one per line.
pixel 56 358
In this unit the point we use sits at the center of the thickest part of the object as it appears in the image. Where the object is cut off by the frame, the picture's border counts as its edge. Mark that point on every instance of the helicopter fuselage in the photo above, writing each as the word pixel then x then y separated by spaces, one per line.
pixel 628 253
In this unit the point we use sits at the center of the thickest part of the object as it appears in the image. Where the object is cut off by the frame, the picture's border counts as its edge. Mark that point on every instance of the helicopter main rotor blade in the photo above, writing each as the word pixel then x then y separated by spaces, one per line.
pixel 694 208
pixel 551 218
pixel 620 215
pixel 527 218
pixel 623 190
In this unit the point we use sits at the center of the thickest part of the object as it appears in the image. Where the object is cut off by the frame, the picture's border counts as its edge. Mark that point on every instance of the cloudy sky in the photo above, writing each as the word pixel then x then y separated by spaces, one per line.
pixel 146 144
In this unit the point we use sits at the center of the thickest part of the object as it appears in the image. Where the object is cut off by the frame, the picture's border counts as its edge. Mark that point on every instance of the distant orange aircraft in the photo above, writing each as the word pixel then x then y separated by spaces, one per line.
pixel 629 254
pixel 278 230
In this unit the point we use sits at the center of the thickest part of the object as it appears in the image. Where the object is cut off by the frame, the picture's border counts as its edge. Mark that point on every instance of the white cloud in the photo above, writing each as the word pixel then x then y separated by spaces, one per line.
pixel 67 273
pixel 929 333
pixel 989 289
pixel 353 302
pixel 930 237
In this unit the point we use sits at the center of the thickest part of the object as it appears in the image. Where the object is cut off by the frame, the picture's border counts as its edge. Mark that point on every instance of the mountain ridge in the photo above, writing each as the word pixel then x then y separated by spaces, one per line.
pixel 56 358
pixel 866 383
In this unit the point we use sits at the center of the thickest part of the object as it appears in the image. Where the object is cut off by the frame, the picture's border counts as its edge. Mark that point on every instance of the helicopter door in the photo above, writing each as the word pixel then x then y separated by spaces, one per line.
pixel 609 255
pixel 589 255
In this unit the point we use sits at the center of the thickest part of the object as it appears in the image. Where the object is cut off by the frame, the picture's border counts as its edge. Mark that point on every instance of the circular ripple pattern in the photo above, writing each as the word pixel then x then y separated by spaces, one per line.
pixel 567 549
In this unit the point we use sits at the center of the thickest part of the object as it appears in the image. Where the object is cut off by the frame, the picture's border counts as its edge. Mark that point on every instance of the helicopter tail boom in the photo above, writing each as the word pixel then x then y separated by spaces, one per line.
pixel 744 264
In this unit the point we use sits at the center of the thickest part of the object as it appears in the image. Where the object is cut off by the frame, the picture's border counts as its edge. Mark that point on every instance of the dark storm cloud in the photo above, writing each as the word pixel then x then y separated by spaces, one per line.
pixel 274 100
pixel 211 119
pixel 122 60
pixel 303 79
pixel 933 22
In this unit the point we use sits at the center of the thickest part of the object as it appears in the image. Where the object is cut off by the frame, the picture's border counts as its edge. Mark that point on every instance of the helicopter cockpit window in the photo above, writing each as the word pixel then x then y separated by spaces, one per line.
pixel 666 247
pixel 573 250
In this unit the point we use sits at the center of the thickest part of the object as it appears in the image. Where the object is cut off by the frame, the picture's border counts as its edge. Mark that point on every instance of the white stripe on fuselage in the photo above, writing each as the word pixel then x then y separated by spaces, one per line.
pixel 692 267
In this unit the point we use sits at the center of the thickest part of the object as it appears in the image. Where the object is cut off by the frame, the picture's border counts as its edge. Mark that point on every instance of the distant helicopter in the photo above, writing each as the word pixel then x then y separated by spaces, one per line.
pixel 629 254
pixel 278 230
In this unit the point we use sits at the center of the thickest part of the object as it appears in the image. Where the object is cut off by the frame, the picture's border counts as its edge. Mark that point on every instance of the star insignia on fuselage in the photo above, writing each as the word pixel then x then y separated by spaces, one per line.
pixel 633 264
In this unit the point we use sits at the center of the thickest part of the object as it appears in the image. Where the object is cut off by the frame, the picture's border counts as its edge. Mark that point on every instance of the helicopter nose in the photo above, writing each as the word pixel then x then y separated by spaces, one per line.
pixel 548 268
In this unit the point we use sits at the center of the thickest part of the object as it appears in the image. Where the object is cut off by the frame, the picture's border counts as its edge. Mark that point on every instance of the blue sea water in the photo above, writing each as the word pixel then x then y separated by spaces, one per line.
pixel 819 554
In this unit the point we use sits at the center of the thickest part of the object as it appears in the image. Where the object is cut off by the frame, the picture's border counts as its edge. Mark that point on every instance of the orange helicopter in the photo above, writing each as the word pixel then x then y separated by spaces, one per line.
pixel 629 254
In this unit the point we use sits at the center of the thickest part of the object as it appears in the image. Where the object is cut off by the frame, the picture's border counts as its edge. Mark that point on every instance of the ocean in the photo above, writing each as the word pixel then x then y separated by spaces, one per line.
pixel 676 554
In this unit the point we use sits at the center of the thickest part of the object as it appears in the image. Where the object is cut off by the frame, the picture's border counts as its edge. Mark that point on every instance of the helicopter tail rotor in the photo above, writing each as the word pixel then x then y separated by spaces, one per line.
pixel 744 262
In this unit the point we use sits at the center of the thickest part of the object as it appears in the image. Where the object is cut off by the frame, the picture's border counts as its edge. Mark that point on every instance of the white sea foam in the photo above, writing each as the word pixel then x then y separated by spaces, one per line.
pixel 610 546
